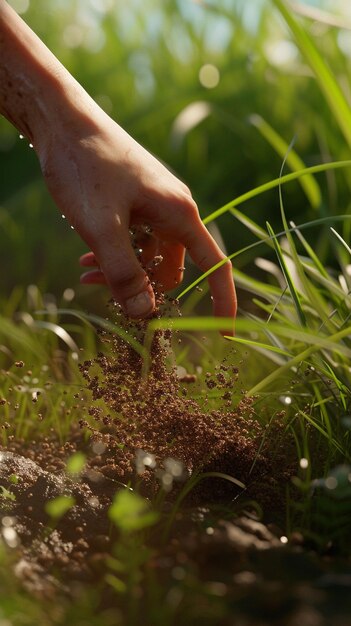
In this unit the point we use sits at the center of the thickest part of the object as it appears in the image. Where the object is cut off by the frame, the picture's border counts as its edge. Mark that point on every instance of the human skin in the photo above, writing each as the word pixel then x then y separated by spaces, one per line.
pixel 103 181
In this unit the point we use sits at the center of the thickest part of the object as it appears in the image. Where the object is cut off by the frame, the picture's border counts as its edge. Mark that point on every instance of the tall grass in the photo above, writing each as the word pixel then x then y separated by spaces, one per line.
pixel 147 81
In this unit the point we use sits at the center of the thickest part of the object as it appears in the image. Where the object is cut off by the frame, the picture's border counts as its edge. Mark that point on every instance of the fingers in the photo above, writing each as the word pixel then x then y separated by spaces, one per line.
pixel 88 260
pixel 206 254
pixel 184 222
pixel 178 227
pixel 93 277
pixel 163 261
pixel 202 249
pixel 120 269
pixel 169 272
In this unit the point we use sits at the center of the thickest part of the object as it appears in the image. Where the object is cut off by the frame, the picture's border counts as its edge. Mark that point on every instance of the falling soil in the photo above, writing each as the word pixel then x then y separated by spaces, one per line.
pixel 147 430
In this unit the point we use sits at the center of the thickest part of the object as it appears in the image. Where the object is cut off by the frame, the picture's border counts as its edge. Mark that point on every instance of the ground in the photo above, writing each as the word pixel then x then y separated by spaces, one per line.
pixel 210 555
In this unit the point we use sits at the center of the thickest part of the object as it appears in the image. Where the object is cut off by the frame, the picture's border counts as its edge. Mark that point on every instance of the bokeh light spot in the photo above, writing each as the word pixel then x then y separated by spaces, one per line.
pixel 73 36
pixel 20 6
pixel 209 76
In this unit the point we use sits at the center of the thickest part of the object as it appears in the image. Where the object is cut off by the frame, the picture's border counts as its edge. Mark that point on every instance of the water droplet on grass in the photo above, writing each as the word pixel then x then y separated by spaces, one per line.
pixel 285 400
pixel 304 463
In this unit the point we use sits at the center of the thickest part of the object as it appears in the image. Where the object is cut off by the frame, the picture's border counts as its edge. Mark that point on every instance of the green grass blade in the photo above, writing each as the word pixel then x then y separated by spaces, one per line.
pixel 106 325
pixel 308 182
pixel 22 337
pixel 267 240
pixel 260 346
pixel 256 286
pixel 322 431
pixel 294 293
pixel 282 180
pixel 327 83
pixel 205 323
pixel 334 342
pixel 338 384
pixel 311 253
pixel 311 294
pixel 254 228
pixel 339 237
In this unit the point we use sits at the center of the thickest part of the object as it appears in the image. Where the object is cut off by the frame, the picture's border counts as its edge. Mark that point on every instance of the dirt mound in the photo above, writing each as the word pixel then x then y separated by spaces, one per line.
pixel 151 412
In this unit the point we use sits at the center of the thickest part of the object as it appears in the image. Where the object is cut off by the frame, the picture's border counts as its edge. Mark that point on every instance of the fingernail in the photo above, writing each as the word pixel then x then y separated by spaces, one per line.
pixel 140 305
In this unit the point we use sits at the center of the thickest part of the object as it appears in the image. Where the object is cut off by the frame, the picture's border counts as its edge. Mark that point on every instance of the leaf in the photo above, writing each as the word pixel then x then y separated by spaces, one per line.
pixel 75 463
pixel 57 507
pixel 6 494
pixel 130 512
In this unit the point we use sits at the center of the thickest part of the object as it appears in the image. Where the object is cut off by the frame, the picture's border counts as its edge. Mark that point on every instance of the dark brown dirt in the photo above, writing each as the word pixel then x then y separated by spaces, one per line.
pixel 146 430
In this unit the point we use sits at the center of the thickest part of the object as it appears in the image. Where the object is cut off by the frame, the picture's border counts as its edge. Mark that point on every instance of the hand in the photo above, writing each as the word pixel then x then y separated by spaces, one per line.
pixel 105 183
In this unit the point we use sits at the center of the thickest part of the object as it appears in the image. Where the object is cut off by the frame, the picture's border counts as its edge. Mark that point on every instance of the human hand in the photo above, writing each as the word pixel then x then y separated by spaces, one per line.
pixel 105 183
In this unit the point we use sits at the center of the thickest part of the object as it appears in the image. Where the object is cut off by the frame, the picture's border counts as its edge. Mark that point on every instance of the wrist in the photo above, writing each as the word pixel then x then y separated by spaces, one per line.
pixel 37 94
pixel 65 108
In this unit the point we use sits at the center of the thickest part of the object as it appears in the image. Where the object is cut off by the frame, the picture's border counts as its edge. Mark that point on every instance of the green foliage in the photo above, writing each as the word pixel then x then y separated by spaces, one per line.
pixel 57 507
pixel 75 464
pixel 130 512
pixel 6 494
pixel 223 140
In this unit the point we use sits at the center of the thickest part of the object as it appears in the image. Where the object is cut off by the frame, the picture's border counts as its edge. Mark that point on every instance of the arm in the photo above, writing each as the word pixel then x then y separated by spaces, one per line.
pixel 102 180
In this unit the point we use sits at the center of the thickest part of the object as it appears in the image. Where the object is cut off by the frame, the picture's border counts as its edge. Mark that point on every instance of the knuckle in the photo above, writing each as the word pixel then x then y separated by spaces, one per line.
pixel 226 263
pixel 193 208
pixel 228 267
pixel 186 189
pixel 189 210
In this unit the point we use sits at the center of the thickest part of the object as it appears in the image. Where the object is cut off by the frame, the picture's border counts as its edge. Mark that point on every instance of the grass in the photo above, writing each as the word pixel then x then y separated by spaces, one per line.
pixel 294 341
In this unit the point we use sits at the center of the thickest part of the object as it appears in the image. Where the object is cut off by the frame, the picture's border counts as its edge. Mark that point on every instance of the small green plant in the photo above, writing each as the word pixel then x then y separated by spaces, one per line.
pixel 6 495
pixel 58 507
pixel 130 512
pixel 75 464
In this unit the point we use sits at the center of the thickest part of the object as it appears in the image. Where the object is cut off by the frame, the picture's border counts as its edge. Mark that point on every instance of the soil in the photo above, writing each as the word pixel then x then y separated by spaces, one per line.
pixel 148 431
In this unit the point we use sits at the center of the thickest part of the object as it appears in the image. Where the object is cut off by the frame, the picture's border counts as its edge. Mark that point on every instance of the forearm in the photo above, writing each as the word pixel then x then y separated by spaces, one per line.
pixel 36 92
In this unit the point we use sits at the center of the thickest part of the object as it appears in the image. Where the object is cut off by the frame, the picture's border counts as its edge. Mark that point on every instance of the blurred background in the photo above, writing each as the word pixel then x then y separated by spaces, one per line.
pixel 197 84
